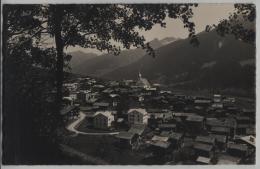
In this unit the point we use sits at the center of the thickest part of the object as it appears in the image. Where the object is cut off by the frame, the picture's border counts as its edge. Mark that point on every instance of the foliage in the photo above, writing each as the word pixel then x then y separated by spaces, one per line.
pixel 241 23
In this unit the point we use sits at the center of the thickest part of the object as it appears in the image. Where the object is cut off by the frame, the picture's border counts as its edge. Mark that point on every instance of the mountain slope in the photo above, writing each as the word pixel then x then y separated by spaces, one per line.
pixel 103 64
pixel 207 64
pixel 78 57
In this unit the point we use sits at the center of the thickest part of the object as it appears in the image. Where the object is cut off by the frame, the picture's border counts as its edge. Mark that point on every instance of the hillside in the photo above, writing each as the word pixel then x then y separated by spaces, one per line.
pixel 78 57
pixel 103 64
pixel 217 62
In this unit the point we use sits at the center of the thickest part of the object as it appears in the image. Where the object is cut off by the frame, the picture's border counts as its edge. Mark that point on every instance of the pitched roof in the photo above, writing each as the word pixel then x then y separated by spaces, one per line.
pixel 102 104
pixel 140 110
pixel 205 139
pixel 104 113
pixel 219 138
pixel 204 147
pixel 137 128
pixel 67 109
pixel 204 160
pixel 241 147
pixel 220 129
pixel 160 138
pixel 162 144
pixel 195 118
pixel 125 135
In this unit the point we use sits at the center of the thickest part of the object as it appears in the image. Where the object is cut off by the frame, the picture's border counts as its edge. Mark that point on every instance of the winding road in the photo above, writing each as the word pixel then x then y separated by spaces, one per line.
pixel 73 127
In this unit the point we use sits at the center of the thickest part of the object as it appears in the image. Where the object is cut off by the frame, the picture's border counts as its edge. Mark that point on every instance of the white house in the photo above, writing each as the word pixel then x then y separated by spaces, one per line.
pixel 137 116
pixel 103 119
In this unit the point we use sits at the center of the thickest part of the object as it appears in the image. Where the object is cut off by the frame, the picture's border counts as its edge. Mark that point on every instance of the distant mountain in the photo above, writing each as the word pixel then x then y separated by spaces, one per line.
pixel 103 64
pixel 78 57
pixel 168 40
pixel 217 62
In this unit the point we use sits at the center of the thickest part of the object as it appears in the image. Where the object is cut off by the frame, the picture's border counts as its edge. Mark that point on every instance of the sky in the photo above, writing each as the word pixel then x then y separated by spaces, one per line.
pixel 204 14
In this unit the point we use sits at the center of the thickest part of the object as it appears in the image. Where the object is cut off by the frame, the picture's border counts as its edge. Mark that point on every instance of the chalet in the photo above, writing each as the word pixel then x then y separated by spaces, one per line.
pixel 220 130
pixel 187 142
pixel 203 160
pixel 249 113
pixel 241 129
pixel 69 113
pixel 217 98
pixel 167 127
pixel 221 140
pixel 101 105
pixel 160 145
pixel 138 129
pixel 195 124
pixel 198 102
pixel 224 159
pixel 205 140
pixel 175 138
pixel 249 140
pixel 137 116
pixel 204 150
pixel 217 105
pixel 103 120
pixel 127 139
pixel 237 150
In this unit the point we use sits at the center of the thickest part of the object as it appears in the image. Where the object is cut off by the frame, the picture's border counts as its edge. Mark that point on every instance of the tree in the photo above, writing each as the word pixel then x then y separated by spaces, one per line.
pixel 26 49
pixel 241 23
pixel 96 26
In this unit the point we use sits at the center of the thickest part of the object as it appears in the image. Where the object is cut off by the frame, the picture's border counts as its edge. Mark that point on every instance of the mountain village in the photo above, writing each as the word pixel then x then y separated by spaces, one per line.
pixel 156 126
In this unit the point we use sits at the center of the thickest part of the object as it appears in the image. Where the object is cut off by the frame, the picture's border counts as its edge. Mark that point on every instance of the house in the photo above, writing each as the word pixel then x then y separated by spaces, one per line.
pixel 202 102
pixel 137 116
pixel 222 130
pixel 138 129
pixel 160 145
pixel 175 138
pixel 221 140
pixel 205 140
pixel 204 150
pixel 69 113
pixel 224 159
pixel 101 105
pixel 203 160
pixel 195 124
pixel 167 127
pixel 217 98
pixel 103 119
pixel 237 150
pixel 187 142
pixel 127 139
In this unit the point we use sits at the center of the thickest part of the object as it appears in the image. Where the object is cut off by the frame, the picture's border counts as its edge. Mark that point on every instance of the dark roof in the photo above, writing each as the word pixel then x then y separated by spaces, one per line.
pixel 175 136
pixel 161 144
pixel 204 147
pixel 167 125
pixel 204 160
pixel 219 138
pixel 241 147
pixel 67 109
pixel 137 128
pixel 220 129
pixel 102 104
pixel 205 139
pixel 195 118
pixel 125 135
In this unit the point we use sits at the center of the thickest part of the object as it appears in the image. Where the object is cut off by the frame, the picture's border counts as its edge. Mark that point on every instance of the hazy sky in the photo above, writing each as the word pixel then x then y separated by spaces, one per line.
pixel 204 14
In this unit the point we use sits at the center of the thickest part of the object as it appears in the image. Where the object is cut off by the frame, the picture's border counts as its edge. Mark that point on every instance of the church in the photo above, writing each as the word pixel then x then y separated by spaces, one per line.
pixel 143 82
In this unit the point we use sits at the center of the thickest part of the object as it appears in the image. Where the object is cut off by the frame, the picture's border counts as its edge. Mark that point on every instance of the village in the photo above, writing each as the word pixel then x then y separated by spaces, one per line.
pixel 156 126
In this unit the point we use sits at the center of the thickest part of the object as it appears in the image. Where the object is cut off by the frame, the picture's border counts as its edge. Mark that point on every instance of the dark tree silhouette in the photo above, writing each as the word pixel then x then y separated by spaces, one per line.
pixel 241 23
pixel 27 29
